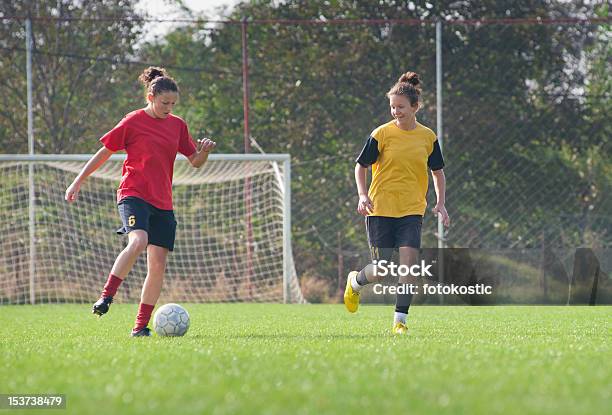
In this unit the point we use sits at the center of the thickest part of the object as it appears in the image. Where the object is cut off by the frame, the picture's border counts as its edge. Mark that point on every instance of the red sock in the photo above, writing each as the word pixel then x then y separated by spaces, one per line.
pixel 143 316
pixel 110 288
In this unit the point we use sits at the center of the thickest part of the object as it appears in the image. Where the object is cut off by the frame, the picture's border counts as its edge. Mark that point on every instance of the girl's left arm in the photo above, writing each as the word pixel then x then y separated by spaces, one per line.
pixel 440 186
pixel 203 149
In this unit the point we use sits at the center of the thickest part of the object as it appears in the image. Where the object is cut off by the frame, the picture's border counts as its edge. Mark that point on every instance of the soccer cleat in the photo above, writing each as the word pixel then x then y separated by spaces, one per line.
pixel 102 305
pixel 145 332
pixel 400 328
pixel 351 298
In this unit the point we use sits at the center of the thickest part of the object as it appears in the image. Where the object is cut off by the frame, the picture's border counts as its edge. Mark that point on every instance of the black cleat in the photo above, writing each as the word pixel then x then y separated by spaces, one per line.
pixel 102 305
pixel 146 332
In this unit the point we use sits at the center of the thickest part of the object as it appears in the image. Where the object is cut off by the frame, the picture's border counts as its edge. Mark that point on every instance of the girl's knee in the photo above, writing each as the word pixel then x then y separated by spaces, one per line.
pixel 139 241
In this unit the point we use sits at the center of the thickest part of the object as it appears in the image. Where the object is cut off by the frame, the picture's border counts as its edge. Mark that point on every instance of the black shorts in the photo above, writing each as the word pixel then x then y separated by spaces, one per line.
pixel 386 232
pixel 160 225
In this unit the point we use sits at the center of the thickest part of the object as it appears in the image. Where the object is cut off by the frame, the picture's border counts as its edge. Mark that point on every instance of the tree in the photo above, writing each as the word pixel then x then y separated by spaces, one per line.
pixel 526 125
pixel 77 75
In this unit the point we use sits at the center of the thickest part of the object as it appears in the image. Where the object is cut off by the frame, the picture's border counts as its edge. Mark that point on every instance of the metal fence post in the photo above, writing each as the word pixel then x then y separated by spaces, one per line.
pixel 440 141
pixel 32 195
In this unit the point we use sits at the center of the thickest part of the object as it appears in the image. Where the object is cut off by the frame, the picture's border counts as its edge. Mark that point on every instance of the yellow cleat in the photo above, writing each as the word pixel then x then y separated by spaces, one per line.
pixel 400 328
pixel 351 298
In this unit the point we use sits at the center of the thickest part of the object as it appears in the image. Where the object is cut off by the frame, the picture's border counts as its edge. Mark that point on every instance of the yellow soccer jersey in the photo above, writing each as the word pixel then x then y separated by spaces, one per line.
pixel 399 161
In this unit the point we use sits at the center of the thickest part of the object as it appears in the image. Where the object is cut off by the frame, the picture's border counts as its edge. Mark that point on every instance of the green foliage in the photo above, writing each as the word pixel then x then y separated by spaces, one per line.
pixel 78 90
pixel 526 106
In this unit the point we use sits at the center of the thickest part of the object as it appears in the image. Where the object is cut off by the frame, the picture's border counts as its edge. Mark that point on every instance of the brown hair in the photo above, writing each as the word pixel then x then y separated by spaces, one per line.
pixel 408 85
pixel 156 81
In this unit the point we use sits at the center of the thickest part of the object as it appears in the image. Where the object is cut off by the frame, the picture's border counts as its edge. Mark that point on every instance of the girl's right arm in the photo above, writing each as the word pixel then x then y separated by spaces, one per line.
pixel 365 205
pixel 92 165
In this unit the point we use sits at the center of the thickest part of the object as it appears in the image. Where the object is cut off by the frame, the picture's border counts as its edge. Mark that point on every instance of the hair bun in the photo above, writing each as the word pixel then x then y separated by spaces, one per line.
pixel 149 74
pixel 410 78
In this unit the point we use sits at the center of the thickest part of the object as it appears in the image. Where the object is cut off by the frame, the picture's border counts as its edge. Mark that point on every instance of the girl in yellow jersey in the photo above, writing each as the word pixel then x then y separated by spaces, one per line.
pixel 400 153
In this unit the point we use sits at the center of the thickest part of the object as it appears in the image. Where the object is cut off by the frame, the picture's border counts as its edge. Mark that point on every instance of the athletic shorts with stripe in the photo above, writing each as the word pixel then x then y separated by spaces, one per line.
pixel 159 224
pixel 387 232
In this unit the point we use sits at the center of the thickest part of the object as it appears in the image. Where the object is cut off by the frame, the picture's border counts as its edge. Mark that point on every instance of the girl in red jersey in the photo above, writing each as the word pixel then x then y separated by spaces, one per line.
pixel 151 137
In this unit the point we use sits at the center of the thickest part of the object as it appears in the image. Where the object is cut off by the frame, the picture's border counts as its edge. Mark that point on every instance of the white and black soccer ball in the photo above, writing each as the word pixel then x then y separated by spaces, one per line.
pixel 171 320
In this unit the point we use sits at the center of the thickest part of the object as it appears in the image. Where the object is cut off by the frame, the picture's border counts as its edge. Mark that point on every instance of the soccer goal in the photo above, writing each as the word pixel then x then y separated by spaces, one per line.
pixel 233 237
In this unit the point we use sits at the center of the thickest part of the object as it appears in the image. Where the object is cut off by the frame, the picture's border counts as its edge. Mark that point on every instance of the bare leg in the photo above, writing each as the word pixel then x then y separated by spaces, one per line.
pixel 156 264
pixel 138 240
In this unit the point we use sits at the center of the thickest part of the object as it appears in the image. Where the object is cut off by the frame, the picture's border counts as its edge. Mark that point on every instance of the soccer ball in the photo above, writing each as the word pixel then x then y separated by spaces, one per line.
pixel 171 320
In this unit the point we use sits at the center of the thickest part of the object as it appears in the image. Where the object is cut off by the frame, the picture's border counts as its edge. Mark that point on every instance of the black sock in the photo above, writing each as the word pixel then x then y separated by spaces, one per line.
pixel 402 302
pixel 361 278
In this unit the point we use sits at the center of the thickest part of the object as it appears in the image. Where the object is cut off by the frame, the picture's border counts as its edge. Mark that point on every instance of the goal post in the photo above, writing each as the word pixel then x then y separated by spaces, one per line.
pixel 52 251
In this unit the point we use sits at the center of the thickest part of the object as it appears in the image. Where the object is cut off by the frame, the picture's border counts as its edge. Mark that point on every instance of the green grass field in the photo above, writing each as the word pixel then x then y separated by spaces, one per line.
pixel 279 359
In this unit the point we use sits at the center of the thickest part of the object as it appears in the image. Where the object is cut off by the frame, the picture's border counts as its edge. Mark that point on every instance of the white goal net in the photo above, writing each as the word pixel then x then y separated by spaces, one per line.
pixel 233 237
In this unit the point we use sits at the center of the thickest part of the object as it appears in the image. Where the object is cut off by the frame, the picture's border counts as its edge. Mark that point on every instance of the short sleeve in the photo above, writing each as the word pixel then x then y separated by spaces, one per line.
pixel 186 144
pixel 369 152
pixel 115 139
pixel 435 160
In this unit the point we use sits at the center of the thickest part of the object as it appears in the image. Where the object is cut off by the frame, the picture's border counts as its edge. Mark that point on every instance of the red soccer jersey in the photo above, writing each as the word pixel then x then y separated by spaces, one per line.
pixel 151 145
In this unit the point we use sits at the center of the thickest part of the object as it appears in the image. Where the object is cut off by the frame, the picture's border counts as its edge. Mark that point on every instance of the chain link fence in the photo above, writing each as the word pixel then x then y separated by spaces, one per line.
pixel 525 110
